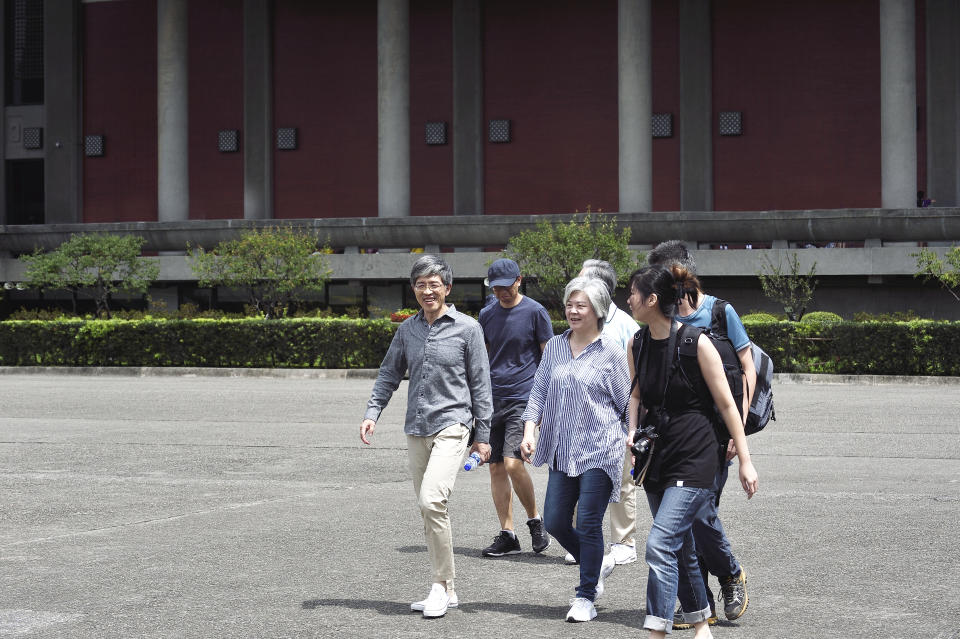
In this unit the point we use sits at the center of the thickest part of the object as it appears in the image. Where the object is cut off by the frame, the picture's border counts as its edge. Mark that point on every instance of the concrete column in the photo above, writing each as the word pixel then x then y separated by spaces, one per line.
pixel 61 90
pixel 696 105
pixel 3 133
pixel 468 138
pixel 898 104
pixel 943 102
pixel 393 93
pixel 173 177
pixel 634 95
pixel 257 138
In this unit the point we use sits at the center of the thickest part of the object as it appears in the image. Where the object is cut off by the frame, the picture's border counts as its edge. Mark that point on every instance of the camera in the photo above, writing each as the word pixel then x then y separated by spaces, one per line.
pixel 642 441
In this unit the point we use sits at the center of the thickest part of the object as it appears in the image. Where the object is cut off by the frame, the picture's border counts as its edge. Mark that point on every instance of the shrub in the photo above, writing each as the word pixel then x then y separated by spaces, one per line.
pixel 793 290
pixel 244 343
pixel 821 317
pixel 553 254
pixel 898 316
pixel 759 318
pixel 402 314
pixel 946 270
pixel 272 266
pixel 920 347
pixel 95 264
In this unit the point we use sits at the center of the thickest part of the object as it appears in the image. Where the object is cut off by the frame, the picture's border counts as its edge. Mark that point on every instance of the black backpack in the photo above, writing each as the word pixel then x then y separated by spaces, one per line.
pixel 690 371
pixel 761 406
pixel 689 367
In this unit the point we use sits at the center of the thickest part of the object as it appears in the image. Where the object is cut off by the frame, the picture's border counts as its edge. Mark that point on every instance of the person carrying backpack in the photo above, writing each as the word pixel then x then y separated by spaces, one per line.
pixel 714 553
pixel 679 419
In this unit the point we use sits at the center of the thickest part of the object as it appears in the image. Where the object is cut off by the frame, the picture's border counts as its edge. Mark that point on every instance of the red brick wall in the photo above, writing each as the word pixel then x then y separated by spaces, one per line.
pixel 551 68
pixel 807 79
pixel 325 85
pixel 216 102
pixel 666 99
pixel 120 102
pixel 431 100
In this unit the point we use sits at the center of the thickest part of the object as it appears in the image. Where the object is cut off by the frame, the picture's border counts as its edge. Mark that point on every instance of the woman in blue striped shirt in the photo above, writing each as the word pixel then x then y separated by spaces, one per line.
pixel 579 393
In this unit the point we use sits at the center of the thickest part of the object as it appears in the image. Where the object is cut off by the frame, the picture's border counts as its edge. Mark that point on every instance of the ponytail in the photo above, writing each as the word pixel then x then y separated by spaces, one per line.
pixel 688 286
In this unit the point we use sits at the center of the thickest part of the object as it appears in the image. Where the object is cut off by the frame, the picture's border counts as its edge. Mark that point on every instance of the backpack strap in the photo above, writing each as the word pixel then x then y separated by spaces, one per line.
pixel 690 369
pixel 718 317
pixel 639 341
pixel 689 364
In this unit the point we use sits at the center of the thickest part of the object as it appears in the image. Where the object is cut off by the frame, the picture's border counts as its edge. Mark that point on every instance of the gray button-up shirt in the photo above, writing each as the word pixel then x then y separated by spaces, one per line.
pixel 449 375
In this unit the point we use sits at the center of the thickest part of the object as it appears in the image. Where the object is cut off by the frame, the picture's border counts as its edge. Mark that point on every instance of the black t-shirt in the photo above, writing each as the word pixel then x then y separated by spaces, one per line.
pixel 687 450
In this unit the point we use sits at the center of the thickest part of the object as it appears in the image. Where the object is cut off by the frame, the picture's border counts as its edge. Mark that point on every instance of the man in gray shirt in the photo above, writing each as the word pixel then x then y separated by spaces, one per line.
pixel 448 395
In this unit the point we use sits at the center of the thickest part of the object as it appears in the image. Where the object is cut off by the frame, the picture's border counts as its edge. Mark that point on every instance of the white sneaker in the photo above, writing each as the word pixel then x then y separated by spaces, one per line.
pixel 417 606
pixel 623 553
pixel 606 569
pixel 437 602
pixel 581 610
pixel 607 566
pixel 569 559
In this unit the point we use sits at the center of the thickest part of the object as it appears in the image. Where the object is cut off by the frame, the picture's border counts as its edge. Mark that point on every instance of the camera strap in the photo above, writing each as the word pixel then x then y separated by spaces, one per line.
pixel 640 365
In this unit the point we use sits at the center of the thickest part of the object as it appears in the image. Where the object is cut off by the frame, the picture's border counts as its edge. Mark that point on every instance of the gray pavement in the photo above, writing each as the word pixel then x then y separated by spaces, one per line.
pixel 203 506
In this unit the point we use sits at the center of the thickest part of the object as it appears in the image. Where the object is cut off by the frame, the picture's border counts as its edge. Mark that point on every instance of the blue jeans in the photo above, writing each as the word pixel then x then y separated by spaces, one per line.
pixel 674 572
pixel 588 494
pixel 713 548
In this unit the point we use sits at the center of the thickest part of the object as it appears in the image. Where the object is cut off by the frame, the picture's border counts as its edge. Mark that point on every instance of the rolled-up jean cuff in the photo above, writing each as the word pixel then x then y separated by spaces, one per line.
pixel 697 617
pixel 658 623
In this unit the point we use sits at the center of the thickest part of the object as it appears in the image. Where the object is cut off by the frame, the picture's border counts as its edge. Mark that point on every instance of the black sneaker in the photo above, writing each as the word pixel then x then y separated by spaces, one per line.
pixel 503 544
pixel 680 624
pixel 538 535
pixel 733 592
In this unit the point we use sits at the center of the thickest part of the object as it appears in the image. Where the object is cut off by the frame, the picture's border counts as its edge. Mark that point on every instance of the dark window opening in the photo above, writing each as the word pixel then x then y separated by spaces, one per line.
pixel 23 23
pixel 25 200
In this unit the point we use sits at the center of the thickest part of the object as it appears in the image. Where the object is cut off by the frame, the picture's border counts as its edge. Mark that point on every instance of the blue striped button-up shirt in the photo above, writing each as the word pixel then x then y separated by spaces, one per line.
pixel 578 403
pixel 449 375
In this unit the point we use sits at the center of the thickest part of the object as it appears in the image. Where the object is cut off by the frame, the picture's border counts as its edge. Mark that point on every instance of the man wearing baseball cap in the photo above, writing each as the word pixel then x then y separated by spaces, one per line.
pixel 515 329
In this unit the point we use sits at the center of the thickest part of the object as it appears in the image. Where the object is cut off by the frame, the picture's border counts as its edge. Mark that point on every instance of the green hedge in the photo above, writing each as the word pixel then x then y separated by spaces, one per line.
pixel 918 347
pixel 254 343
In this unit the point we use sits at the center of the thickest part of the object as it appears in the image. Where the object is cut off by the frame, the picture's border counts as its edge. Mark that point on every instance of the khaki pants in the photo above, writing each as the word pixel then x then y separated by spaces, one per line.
pixel 623 514
pixel 434 462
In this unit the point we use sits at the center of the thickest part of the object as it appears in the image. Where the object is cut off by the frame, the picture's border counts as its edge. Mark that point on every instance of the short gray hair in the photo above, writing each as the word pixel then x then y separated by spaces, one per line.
pixel 601 270
pixel 431 265
pixel 596 291
pixel 672 252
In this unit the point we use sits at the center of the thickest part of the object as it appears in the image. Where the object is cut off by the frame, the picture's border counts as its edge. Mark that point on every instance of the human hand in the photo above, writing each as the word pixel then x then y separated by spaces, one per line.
pixel 527 448
pixel 731 449
pixel 483 450
pixel 749 479
pixel 367 427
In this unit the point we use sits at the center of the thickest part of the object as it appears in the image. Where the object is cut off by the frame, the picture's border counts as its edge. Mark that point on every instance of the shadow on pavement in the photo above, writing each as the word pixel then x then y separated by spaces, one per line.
pixel 463 551
pixel 629 618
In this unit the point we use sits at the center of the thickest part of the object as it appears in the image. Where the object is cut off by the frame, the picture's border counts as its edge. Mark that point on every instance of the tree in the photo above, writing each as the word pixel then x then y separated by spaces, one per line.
pixel 93 263
pixel 946 270
pixel 553 254
pixel 272 266
pixel 793 291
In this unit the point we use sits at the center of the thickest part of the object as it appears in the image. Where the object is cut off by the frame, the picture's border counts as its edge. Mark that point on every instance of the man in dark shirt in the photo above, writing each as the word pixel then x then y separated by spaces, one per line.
pixel 515 329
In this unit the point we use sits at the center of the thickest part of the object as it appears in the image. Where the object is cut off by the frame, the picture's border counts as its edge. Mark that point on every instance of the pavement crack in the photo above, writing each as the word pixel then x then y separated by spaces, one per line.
pixel 158 520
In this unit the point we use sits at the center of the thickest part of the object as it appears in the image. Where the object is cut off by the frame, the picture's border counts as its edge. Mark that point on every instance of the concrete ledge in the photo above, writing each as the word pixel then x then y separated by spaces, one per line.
pixel 371 373
pixel 829 262
pixel 183 371
pixel 822 225
pixel 865 380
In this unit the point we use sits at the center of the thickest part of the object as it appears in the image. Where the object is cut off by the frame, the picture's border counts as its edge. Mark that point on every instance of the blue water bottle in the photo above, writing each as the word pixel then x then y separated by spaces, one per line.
pixel 472 461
